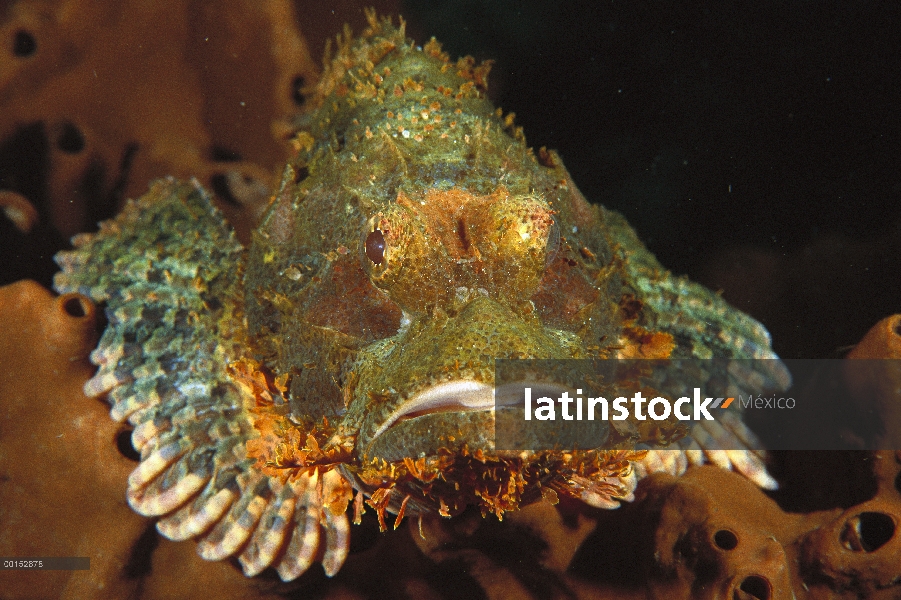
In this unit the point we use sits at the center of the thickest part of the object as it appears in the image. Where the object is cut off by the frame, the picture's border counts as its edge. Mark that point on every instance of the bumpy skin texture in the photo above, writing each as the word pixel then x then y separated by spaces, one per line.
pixel 415 238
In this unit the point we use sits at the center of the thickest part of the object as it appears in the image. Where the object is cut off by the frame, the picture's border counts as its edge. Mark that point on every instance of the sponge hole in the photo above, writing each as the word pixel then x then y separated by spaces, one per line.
pixel 725 539
pixel 125 447
pixel 757 587
pixel 24 44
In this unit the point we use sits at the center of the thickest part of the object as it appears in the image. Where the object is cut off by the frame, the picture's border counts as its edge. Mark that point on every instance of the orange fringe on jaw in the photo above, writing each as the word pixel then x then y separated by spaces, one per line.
pixel 450 481
pixel 286 448
pixel 446 482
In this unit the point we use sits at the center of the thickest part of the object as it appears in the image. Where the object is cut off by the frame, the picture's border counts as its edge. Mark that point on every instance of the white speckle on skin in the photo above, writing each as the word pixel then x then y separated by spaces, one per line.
pixel 405 321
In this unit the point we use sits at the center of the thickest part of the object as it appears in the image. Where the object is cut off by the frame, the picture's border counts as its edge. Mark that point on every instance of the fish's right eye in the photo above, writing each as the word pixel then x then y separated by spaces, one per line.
pixel 374 246
pixel 395 251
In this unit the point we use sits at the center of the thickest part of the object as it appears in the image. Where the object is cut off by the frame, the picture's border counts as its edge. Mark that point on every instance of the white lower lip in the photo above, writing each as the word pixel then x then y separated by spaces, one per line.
pixel 465 396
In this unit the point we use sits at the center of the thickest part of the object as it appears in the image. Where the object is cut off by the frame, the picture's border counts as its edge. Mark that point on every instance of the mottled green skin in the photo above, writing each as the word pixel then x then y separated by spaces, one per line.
pixel 490 252
pixel 165 270
pixel 369 169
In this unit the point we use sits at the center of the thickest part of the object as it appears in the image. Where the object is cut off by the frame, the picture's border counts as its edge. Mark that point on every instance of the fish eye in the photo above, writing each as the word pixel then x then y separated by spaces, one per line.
pixel 374 246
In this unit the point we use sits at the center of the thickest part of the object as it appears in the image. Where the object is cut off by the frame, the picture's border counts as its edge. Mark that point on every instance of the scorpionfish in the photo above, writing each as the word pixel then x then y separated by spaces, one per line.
pixel 346 358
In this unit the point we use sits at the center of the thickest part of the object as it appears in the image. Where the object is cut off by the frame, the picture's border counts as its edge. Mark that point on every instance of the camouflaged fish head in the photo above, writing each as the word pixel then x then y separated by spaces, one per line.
pixel 348 354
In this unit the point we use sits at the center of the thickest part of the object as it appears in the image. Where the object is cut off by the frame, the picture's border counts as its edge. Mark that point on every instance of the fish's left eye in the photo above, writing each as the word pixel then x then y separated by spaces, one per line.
pixel 374 246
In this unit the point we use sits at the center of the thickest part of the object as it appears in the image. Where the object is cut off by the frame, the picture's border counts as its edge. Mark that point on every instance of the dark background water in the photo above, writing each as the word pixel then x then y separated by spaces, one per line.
pixel 755 147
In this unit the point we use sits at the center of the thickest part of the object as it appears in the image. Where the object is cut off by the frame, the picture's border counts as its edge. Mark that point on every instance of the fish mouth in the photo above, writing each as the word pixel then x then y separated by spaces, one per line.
pixel 450 396
pixel 467 404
